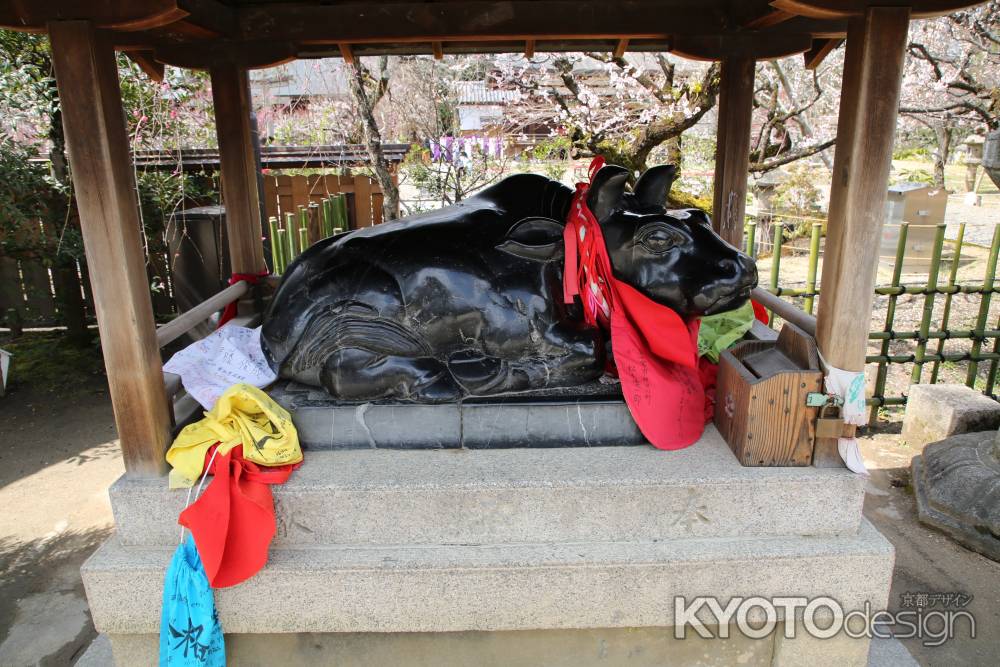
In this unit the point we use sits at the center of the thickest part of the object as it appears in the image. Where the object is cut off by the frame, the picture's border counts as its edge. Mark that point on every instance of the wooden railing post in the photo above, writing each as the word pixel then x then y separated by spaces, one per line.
pixel 732 150
pixel 238 164
pixel 87 76
pixel 873 71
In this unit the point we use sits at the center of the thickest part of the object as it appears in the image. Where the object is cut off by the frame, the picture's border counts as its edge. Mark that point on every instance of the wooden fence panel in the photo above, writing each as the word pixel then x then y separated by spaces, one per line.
pixel 39 304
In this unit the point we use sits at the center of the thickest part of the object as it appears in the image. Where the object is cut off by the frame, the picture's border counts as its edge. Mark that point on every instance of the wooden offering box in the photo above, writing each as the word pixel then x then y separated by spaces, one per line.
pixel 760 406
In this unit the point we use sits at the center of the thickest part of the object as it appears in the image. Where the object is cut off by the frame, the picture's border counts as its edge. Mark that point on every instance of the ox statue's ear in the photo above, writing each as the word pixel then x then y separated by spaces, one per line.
pixel 606 190
pixel 654 185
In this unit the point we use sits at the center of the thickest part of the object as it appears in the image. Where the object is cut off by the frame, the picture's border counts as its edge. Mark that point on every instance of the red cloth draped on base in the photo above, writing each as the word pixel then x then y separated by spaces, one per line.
pixel 233 520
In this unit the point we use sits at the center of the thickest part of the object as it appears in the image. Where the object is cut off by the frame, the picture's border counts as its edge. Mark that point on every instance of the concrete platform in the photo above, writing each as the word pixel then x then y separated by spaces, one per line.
pixel 636 647
pixel 510 496
pixel 449 588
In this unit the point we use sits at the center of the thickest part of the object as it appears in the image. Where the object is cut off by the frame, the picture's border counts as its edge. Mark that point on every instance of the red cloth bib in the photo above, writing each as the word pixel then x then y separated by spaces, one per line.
pixel 655 351
pixel 233 520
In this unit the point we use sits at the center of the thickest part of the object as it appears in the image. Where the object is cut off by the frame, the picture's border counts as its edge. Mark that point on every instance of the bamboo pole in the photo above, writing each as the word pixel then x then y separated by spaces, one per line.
pixel 890 315
pixel 928 358
pixel 272 224
pixel 946 313
pixel 984 305
pixel 281 262
pixel 328 217
pixel 775 264
pixel 817 231
pixel 933 335
pixel 290 236
pixel 751 240
pixel 303 233
pixel 925 319
pixel 901 289
pixel 991 377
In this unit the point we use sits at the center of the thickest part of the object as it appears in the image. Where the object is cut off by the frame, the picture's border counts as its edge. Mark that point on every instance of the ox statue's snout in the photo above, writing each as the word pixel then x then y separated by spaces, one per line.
pixel 732 289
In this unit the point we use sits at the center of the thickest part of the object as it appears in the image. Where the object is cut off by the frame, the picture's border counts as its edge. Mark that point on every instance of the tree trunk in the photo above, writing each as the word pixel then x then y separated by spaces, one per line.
pixel 373 142
pixel 70 301
pixel 943 135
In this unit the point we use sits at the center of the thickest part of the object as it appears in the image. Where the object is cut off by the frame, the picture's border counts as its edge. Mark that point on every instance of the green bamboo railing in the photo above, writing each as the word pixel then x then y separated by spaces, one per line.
pixel 924 351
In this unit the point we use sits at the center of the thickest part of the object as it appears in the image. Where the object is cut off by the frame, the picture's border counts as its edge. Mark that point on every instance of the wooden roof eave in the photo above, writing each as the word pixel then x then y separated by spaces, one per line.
pixel 788 37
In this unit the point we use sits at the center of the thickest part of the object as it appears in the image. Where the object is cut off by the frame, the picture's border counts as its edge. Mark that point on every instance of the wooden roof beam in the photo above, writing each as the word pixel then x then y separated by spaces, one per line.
pixel 438 50
pixel 621 48
pixel 740 44
pixel 122 15
pixel 470 20
pixel 837 9
pixel 821 48
pixel 211 16
pixel 529 48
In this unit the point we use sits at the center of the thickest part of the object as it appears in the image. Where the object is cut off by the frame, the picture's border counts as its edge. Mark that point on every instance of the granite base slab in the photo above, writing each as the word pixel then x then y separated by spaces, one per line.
pixel 594 415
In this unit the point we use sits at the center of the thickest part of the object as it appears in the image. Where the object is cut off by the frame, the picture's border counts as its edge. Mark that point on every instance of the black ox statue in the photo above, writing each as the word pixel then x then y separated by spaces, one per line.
pixel 467 300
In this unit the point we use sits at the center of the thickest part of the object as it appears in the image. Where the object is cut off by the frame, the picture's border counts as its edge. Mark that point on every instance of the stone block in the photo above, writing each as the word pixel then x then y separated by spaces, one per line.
pixel 455 588
pixel 936 411
pixel 594 415
pixel 503 496
pixel 636 647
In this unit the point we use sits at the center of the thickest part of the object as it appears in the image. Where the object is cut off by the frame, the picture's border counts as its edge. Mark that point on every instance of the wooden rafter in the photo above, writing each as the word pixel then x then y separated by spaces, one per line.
pixel 529 48
pixel 621 48
pixel 821 48
pixel 144 59
pixel 346 53
pixel 772 18
pixel 438 50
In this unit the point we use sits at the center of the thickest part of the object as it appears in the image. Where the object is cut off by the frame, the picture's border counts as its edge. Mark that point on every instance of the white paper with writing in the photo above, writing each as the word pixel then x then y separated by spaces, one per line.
pixel 228 356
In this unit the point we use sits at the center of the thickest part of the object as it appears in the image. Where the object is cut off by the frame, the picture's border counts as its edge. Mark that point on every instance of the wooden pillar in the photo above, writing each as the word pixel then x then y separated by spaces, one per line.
pixel 231 98
pixel 869 105
pixel 87 76
pixel 732 151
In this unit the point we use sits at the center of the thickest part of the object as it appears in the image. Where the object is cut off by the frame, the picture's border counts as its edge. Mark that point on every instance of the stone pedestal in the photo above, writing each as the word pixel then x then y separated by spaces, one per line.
pixel 510 556
pixel 957 483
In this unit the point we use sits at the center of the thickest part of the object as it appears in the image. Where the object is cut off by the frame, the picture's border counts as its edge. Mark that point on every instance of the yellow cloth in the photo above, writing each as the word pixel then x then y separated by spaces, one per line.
pixel 243 414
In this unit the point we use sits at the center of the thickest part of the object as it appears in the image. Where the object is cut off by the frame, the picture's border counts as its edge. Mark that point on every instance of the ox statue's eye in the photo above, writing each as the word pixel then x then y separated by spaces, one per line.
pixel 657 239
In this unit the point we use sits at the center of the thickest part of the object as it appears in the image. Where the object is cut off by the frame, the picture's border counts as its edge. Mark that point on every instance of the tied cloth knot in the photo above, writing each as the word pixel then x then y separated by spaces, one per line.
pixel 230 310
pixel 655 350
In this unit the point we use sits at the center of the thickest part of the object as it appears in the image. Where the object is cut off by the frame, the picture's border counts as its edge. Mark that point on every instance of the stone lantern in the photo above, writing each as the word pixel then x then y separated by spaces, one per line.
pixel 974 147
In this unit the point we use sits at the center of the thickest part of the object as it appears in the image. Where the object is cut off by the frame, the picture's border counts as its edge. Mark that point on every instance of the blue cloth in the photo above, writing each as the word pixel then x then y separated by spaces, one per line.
pixel 190 633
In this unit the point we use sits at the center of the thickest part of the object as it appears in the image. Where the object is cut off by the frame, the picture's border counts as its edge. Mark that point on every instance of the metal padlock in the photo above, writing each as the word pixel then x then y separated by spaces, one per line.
pixel 829 423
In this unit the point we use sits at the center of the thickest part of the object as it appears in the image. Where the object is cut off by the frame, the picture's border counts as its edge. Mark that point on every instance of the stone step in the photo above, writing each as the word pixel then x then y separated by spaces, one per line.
pixel 509 496
pixel 449 588
pixel 594 415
